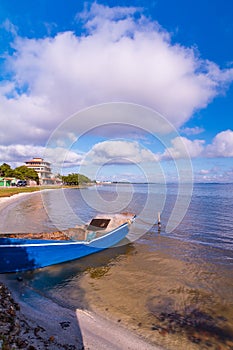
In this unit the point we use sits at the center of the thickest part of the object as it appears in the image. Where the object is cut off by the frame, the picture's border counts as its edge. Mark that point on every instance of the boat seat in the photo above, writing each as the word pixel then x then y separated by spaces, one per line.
pixel 98 224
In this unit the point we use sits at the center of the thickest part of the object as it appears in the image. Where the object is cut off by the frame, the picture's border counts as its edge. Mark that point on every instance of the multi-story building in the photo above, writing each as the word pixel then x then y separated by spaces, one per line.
pixel 43 169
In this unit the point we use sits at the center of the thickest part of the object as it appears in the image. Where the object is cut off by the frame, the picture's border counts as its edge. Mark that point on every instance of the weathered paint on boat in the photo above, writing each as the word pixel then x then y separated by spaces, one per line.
pixel 18 254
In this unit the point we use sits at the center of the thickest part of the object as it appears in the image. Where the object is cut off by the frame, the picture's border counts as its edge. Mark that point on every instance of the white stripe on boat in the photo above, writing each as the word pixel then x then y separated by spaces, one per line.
pixel 60 244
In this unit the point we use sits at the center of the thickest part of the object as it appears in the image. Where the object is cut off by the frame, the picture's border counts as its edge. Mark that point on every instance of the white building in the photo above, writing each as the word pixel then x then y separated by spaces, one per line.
pixel 43 169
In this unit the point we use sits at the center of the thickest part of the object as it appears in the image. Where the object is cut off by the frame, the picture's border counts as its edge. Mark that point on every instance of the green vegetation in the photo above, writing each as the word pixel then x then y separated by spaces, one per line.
pixel 75 179
pixel 5 170
pixel 10 191
pixel 21 172
pixel 25 173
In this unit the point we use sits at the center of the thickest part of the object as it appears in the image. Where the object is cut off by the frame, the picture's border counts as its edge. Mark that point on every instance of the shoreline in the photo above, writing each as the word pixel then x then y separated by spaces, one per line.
pixel 43 324
pixel 5 200
pixel 8 199
pixel 40 323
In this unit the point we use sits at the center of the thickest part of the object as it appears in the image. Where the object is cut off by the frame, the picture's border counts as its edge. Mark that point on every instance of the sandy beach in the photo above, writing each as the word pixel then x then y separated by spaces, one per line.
pixel 43 324
pixel 5 201
pixel 40 323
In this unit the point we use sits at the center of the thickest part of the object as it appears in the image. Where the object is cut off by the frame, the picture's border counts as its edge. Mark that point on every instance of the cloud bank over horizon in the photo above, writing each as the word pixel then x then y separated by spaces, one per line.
pixel 110 160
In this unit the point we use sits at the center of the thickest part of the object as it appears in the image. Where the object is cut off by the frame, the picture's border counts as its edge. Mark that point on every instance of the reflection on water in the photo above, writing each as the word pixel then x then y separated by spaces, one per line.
pixel 208 220
pixel 27 214
pixel 60 282
pixel 175 290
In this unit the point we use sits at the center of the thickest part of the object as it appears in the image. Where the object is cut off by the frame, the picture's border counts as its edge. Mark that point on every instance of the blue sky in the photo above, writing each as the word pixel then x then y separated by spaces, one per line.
pixel 174 57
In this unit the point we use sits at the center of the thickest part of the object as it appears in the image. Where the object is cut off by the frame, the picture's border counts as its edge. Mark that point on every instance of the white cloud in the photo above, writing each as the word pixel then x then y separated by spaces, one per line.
pixel 20 152
pixel 119 152
pixel 63 158
pixel 96 18
pixel 59 157
pixel 9 27
pixel 192 131
pixel 204 172
pixel 222 145
pixel 184 148
pixel 120 58
pixel 215 174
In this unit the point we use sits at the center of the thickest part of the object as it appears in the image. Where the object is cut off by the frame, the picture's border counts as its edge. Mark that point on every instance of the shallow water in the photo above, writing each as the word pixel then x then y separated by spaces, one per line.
pixel 174 289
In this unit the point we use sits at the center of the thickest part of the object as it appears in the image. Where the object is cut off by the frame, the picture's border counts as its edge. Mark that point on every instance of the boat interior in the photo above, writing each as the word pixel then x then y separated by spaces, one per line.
pixel 98 226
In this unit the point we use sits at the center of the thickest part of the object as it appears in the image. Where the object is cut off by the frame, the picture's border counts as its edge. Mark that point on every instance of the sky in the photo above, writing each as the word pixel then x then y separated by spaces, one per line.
pixel 119 90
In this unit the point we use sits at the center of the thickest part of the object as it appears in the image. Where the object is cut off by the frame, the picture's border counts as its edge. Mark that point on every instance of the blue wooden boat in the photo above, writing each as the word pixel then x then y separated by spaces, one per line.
pixel 21 254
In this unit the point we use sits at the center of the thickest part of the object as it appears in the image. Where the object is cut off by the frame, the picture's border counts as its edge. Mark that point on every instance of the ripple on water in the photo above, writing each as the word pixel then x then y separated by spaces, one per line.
pixel 175 290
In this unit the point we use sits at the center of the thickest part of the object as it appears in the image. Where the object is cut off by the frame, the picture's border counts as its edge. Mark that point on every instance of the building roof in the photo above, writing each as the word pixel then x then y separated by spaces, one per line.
pixel 36 160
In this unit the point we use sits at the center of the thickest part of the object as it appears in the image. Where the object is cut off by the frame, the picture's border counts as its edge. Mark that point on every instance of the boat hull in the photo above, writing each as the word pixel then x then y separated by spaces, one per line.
pixel 24 254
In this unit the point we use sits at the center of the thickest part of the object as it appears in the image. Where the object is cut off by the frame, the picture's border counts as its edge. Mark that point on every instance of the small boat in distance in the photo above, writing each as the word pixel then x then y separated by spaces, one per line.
pixel 21 252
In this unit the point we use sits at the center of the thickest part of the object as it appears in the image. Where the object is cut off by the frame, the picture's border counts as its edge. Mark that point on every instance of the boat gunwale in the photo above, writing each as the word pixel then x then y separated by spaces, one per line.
pixel 61 243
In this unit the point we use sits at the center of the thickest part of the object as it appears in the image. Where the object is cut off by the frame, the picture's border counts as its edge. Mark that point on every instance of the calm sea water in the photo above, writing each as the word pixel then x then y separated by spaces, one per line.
pixel 175 289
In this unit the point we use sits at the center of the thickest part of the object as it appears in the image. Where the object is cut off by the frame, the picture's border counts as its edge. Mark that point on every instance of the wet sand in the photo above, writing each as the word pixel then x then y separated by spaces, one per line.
pixel 33 209
pixel 44 324
pixel 40 323
pixel 178 304
pixel 4 201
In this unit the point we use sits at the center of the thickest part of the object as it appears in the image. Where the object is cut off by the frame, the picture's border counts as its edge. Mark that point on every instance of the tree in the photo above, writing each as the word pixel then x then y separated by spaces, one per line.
pixel 25 173
pixel 75 179
pixel 6 171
